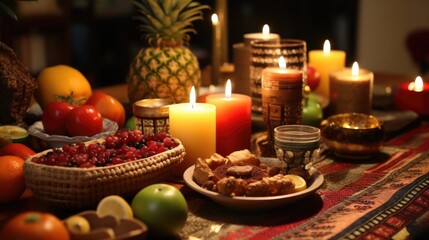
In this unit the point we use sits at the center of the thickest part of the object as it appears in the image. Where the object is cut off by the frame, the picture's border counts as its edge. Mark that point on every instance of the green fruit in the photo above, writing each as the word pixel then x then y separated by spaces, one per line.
pixel 162 208
pixel 312 113
pixel 130 123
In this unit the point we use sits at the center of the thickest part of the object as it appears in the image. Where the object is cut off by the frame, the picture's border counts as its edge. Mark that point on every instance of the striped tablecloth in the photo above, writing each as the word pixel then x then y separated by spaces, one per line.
pixel 385 197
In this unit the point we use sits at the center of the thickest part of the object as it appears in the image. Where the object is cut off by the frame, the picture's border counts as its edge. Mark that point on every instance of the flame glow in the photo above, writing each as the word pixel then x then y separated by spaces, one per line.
pixel 228 89
pixel 417 85
pixel 355 69
pixel 215 19
pixel 266 29
pixel 326 47
pixel 192 97
pixel 282 62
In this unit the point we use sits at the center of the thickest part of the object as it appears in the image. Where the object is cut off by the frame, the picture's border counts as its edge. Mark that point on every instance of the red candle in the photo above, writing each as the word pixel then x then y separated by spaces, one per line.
pixel 233 120
pixel 413 96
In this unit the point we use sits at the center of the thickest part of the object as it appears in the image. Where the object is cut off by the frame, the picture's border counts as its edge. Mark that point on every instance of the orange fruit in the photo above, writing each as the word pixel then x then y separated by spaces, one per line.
pixel 61 82
pixel 12 184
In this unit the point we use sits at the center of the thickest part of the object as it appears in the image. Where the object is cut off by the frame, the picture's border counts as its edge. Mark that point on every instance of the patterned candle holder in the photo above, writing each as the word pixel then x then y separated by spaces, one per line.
pixel 266 54
pixel 296 147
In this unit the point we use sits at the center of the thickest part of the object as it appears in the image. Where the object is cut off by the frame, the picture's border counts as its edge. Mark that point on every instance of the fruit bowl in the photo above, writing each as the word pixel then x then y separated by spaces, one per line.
pixel 55 141
pixel 77 187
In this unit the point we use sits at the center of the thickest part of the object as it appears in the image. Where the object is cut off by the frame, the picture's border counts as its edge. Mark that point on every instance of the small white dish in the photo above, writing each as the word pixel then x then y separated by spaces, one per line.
pixel 255 203
pixel 56 141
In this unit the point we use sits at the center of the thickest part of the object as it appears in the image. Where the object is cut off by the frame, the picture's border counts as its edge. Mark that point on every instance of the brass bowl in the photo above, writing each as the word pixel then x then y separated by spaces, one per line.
pixel 353 135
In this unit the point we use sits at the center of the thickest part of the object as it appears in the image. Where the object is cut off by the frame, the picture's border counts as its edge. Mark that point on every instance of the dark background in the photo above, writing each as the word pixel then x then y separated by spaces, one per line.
pixel 102 45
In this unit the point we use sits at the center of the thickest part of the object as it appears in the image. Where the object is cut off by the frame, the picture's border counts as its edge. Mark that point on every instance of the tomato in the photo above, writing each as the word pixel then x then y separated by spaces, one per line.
pixel 54 117
pixel 84 121
pixel 34 225
pixel 60 82
pixel 162 207
pixel 17 149
pixel 108 106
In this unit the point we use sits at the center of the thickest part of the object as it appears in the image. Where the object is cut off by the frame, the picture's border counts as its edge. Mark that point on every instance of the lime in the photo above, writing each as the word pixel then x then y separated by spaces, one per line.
pixel 299 182
pixel 116 206
pixel 15 133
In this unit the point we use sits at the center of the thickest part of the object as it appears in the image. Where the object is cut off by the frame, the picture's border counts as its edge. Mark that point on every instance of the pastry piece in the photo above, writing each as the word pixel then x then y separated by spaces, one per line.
pixel 216 160
pixel 243 157
pixel 231 186
pixel 202 172
pixel 270 186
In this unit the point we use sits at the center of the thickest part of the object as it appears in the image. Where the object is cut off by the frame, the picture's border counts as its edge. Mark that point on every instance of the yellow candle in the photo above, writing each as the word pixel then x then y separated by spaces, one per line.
pixel 325 62
pixel 194 124
pixel 351 90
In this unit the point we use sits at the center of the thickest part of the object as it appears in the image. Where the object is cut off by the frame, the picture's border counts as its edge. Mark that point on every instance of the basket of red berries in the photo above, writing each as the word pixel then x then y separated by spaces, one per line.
pixel 79 175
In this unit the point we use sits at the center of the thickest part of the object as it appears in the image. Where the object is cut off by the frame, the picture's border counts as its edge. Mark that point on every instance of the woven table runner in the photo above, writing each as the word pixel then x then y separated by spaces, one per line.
pixel 384 197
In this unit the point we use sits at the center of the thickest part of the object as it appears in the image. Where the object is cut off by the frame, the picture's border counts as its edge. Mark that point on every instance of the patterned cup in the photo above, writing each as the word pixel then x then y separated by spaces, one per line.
pixel 296 147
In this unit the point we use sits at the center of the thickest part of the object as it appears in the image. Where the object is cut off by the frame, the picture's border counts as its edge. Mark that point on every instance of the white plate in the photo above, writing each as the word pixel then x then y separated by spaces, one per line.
pixel 255 203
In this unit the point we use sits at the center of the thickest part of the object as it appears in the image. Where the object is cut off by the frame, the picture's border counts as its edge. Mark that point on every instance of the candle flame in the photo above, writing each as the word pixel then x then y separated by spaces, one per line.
pixel 228 89
pixel 282 62
pixel 326 47
pixel 417 85
pixel 215 19
pixel 266 29
pixel 355 69
pixel 192 97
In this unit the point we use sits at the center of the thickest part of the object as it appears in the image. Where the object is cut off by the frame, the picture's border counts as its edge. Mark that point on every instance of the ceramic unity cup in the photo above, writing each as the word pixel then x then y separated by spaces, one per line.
pixel 296 147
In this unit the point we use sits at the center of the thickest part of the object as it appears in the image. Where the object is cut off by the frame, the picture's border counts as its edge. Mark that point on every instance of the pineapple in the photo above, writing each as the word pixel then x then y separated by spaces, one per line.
pixel 165 68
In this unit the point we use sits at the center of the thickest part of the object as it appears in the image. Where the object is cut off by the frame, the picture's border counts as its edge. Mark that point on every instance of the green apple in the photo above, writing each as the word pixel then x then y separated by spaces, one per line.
pixel 312 113
pixel 162 208
pixel 130 123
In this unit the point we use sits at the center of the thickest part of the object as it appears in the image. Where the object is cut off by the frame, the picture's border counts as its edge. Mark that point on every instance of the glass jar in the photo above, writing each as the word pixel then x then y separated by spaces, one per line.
pixel 296 147
pixel 266 54
pixel 152 115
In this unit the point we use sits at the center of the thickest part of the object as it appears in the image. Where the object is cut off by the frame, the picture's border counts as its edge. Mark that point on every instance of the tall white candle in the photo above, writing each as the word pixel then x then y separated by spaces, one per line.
pixel 216 50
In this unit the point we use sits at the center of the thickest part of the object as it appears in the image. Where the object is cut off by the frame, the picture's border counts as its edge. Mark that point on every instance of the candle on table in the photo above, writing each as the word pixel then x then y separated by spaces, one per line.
pixel 413 96
pixel 325 62
pixel 221 8
pixel 281 97
pixel 216 50
pixel 233 120
pixel 194 124
pixel 241 58
pixel 351 90
pixel 264 35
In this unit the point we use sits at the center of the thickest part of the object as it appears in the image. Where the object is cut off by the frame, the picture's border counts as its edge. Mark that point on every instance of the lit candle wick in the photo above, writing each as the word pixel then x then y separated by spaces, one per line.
pixel 192 98
pixel 266 29
pixel 355 69
pixel 326 47
pixel 228 89
pixel 282 62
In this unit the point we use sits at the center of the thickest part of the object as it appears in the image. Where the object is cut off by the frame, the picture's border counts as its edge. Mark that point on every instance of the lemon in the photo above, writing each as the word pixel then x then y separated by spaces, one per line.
pixel 114 205
pixel 14 133
pixel 300 183
pixel 78 224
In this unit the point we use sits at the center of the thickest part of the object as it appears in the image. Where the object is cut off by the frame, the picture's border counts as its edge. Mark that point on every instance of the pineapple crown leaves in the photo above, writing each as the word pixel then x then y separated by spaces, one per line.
pixel 168 22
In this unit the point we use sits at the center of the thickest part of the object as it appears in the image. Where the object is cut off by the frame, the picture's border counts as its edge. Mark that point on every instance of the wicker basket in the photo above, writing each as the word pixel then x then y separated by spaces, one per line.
pixel 79 188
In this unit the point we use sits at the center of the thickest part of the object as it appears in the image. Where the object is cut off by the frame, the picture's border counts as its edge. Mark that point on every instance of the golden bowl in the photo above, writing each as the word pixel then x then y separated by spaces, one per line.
pixel 353 135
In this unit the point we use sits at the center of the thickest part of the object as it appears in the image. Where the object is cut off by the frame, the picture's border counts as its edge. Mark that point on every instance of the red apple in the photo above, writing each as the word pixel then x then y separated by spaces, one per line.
pixel 313 77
